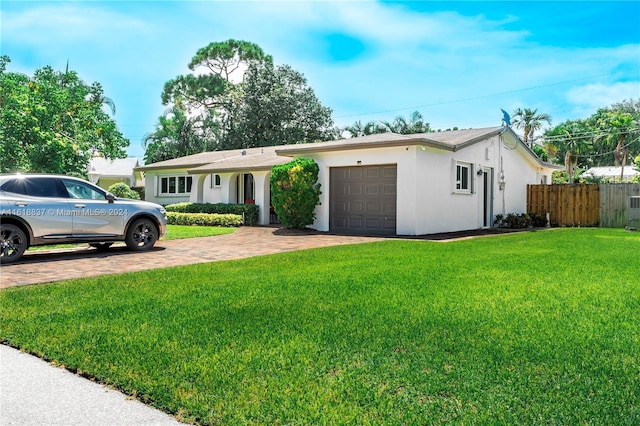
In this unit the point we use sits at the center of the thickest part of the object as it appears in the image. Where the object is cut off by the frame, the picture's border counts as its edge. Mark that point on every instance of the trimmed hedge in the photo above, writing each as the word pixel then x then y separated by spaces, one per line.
pixel 203 219
pixel 250 212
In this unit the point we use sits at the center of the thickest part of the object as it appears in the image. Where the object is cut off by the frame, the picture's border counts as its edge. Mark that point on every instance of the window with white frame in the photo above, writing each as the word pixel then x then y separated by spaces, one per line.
pixel 463 177
pixel 177 185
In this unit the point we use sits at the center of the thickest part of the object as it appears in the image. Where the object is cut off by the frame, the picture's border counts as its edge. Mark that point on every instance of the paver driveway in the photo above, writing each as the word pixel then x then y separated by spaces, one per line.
pixel 62 264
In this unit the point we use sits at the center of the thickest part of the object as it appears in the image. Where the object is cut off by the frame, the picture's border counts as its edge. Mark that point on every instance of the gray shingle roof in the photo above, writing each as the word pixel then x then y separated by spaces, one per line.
pixel 266 157
pixel 451 140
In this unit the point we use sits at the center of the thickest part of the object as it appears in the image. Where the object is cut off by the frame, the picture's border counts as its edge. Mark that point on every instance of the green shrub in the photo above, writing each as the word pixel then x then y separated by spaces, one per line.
pixel 203 219
pixel 295 193
pixel 250 212
pixel 520 221
pixel 122 190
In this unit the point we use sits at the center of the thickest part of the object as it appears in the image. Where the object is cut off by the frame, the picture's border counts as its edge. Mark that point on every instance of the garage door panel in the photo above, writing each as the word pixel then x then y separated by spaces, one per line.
pixel 389 189
pixel 373 173
pixel 356 207
pixel 372 189
pixel 354 174
pixel 363 199
pixel 373 207
pixel 390 172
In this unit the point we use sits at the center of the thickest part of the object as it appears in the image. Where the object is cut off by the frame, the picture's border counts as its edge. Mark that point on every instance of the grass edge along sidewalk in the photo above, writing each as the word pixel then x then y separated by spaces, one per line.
pixel 522 328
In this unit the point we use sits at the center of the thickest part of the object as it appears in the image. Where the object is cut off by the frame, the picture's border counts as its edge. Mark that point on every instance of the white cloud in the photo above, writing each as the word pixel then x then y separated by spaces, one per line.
pixel 594 96
pixel 70 23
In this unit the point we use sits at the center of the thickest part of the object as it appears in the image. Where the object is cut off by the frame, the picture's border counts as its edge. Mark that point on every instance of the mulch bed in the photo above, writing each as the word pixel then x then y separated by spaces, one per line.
pixel 442 236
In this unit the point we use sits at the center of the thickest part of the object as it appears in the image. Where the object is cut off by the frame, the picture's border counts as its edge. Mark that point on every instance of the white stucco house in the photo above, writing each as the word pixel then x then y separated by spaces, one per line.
pixel 378 184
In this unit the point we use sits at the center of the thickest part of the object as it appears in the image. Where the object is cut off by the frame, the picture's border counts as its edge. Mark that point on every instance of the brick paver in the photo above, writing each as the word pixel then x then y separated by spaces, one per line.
pixel 62 264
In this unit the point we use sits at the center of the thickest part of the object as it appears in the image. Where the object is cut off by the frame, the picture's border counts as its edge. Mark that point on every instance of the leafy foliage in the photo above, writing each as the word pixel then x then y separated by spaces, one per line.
pixel 122 190
pixel 541 152
pixel 177 135
pixel 611 136
pixel 250 212
pixel 295 192
pixel 53 122
pixel 530 121
pixel 204 219
pixel 520 220
pixel 414 124
pixel 278 109
pixel 238 99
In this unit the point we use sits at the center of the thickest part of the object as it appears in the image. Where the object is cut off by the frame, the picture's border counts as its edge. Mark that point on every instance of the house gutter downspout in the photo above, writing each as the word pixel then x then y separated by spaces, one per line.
pixel 501 182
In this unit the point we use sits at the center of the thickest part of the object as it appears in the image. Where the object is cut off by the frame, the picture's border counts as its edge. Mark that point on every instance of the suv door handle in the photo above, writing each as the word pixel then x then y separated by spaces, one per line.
pixel 80 206
pixel 21 203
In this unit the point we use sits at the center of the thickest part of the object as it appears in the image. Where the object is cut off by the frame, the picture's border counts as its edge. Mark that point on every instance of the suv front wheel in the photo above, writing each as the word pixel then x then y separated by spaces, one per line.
pixel 13 243
pixel 141 235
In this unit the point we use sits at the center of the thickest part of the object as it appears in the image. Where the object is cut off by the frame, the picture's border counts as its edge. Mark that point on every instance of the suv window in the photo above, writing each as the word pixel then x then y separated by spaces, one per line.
pixel 16 186
pixel 45 187
pixel 81 190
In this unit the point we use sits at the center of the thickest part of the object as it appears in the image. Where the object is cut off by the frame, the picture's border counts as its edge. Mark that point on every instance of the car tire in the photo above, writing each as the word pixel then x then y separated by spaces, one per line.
pixel 101 246
pixel 13 243
pixel 141 235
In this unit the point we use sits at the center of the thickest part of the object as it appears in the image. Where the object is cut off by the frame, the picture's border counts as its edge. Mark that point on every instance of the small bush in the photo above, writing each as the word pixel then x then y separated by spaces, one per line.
pixel 250 212
pixel 122 190
pixel 295 192
pixel 520 221
pixel 204 219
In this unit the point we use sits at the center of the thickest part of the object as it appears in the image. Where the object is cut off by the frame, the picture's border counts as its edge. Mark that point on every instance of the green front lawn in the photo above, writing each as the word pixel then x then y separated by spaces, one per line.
pixel 528 328
pixel 174 232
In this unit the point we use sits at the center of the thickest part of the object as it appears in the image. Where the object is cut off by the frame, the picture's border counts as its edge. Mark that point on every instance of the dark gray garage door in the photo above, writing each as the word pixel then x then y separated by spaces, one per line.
pixel 363 199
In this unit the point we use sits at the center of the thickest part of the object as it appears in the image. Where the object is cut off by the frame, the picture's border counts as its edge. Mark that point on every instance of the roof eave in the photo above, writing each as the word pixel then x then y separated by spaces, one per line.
pixel 204 171
pixel 301 149
pixel 175 166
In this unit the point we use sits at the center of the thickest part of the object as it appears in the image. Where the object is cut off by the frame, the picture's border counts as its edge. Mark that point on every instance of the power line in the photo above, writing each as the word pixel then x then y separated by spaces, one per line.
pixel 476 97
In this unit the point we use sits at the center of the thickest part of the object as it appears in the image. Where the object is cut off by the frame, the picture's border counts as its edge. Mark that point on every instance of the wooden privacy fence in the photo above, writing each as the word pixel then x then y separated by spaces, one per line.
pixel 601 205
pixel 567 205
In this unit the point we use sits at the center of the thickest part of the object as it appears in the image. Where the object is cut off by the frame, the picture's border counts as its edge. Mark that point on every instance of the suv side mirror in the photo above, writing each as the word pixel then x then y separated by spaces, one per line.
pixel 110 197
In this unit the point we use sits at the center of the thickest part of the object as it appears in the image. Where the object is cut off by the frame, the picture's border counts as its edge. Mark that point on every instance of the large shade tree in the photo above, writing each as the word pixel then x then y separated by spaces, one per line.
pixel 239 98
pixel 278 108
pixel 177 135
pixel 52 122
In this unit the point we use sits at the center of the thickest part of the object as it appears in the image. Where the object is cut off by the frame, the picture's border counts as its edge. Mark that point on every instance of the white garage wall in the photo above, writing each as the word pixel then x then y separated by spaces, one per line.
pixel 426 201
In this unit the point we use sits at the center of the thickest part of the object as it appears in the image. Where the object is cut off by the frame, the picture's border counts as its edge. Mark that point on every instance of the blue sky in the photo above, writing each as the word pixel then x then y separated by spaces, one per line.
pixel 458 63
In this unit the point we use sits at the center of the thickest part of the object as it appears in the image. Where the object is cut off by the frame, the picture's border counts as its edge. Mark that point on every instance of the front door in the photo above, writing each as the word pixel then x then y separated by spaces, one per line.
pixel 487 210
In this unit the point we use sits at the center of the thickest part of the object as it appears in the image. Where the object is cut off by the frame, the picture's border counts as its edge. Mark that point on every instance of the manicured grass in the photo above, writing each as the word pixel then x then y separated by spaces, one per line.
pixel 530 328
pixel 177 232
pixel 174 232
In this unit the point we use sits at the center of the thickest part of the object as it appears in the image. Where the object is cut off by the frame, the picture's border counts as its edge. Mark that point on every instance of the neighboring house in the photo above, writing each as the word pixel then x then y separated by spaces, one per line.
pixel 611 173
pixel 378 184
pixel 105 173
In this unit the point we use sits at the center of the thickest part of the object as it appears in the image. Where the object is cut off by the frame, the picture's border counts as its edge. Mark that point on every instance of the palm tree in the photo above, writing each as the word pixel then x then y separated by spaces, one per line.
pixel 358 129
pixel 415 124
pixel 571 138
pixel 617 125
pixel 530 121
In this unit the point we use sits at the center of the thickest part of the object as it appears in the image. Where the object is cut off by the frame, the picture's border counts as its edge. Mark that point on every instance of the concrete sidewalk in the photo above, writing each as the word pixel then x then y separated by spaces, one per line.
pixel 33 392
